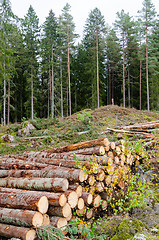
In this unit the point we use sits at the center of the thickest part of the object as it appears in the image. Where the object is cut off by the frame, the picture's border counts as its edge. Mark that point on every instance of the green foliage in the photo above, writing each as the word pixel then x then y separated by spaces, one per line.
pixel 76 229
pixel 86 119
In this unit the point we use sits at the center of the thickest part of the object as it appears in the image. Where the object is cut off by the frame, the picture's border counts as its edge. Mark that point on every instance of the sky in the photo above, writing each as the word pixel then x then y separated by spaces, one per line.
pixel 80 9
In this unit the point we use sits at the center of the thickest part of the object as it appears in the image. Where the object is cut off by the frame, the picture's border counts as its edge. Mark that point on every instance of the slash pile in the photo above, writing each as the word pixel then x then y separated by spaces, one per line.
pixel 51 186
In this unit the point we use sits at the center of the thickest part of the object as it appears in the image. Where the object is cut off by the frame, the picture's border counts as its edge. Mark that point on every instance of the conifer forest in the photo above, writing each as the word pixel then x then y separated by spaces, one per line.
pixel 46 71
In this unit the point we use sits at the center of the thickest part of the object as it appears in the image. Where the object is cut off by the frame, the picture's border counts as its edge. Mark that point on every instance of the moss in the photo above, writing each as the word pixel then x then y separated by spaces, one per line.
pixel 127 229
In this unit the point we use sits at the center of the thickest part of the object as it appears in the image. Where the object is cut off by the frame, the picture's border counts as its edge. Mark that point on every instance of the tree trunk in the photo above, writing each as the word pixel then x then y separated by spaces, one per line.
pixel 60 211
pixel 76 146
pixel 4 103
pixel 32 95
pixel 8 100
pixel 10 231
pixel 23 200
pixel 98 150
pixel 20 164
pixel 18 217
pixel 52 85
pixel 77 188
pixel 123 70
pixel 97 68
pixel 72 198
pixel 58 222
pixel 44 184
pixel 147 72
pixel 68 70
pixel 72 174
pixel 87 197
pixel 61 88
pixel 55 199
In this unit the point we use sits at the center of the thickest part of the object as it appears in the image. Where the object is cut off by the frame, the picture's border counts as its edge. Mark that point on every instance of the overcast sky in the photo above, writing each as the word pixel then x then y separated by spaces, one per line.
pixel 80 9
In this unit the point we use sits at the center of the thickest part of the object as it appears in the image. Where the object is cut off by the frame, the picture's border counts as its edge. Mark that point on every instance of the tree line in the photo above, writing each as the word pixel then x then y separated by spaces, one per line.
pixel 44 72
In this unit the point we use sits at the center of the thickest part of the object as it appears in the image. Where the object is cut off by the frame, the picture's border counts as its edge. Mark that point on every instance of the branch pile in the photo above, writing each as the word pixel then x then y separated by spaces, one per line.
pixel 52 186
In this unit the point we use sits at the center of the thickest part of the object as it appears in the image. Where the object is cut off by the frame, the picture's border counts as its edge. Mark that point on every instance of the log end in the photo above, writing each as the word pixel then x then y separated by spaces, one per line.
pixel 73 199
pixel 83 176
pixel 31 235
pixel 43 205
pixel 46 220
pixel 37 219
pixel 80 204
pixel 62 200
pixel 66 210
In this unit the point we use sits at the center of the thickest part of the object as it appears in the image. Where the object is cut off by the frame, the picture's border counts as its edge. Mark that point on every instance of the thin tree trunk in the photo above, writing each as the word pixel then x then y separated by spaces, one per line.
pixel 140 81
pixel 4 99
pixel 8 100
pixel 147 76
pixel 123 72
pixel 109 85
pixel 128 88
pixel 68 69
pixel 97 69
pixel 61 89
pixel 32 101
pixel 52 85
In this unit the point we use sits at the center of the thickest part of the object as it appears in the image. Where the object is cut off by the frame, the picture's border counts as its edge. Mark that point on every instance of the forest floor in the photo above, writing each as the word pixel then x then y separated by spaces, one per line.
pixel 83 126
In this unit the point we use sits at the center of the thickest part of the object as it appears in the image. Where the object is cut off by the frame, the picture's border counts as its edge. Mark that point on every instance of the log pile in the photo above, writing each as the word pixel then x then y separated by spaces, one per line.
pixel 52 186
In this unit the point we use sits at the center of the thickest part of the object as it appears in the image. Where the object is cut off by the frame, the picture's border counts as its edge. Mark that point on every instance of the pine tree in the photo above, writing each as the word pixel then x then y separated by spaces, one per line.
pixel 31 31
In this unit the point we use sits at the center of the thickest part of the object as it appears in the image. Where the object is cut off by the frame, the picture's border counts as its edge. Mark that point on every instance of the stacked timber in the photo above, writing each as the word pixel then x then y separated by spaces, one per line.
pixel 52 186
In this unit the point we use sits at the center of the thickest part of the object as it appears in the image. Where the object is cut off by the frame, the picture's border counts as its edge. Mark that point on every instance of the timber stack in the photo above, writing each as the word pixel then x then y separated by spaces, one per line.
pixel 52 186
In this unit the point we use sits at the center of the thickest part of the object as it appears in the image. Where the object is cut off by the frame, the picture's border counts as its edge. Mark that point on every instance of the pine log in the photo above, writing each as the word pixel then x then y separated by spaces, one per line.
pixel 13 164
pixel 98 150
pixel 99 186
pixel 49 172
pixel 58 222
pixel 110 154
pixel 72 198
pixel 108 180
pixel 81 212
pixel 60 211
pixel 89 213
pixel 69 217
pixel 24 201
pixel 60 162
pixel 46 220
pixel 96 200
pixel 46 184
pixel 107 148
pixel 100 175
pixel 104 205
pixel 24 218
pixel 112 145
pixel 147 125
pixel 117 150
pixel 76 146
pixel 80 203
pixel 110 169
pixel 77 188
pixel 54 199
pixel 91 180
pixel 87 197
pixel 10 231
pixel 116 160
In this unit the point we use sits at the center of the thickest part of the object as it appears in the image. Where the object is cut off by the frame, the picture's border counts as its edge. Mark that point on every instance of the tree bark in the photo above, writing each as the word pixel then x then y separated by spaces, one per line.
pixel 97 68
pixel 8 100
pixel 20 164
pixel 87 197
pixel 54 199
pixel 64 211
pixel 68 69
pixel 76 146
pixel 10 231
pixel 45 184
pixel 58 222
pixel 123 70
pixel 24 200
pixel 72 174
pixel 18 217
pixel 147 71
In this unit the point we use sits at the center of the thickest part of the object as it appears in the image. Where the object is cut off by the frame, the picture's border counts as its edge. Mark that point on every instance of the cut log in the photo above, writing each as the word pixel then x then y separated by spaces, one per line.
pixel 20 165
pixel 46 184
pixel 49 172
pixel 81 212
pixel 10 231
pixel 100 175
pixel 118 150
pixel 89 213
pixel 46 220
pixel 91 180
pixel 96 200
pixel 104 205
pixel 92 143
pixel 60 162
pixel 24 201
pixel 72 198
pixel 87 197
pixel 69 217
pixel 77 188
pixel 80 204
pixel 58 222
pixel 54 199
pixel 99 186
pixel 112 145
pixel 108 180
pixel 60 211
pixel 24 218
pixel 98 150
pixel 147 125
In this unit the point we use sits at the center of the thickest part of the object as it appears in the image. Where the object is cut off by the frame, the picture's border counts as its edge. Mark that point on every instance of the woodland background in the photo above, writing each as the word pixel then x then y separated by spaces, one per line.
pixel 46 72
